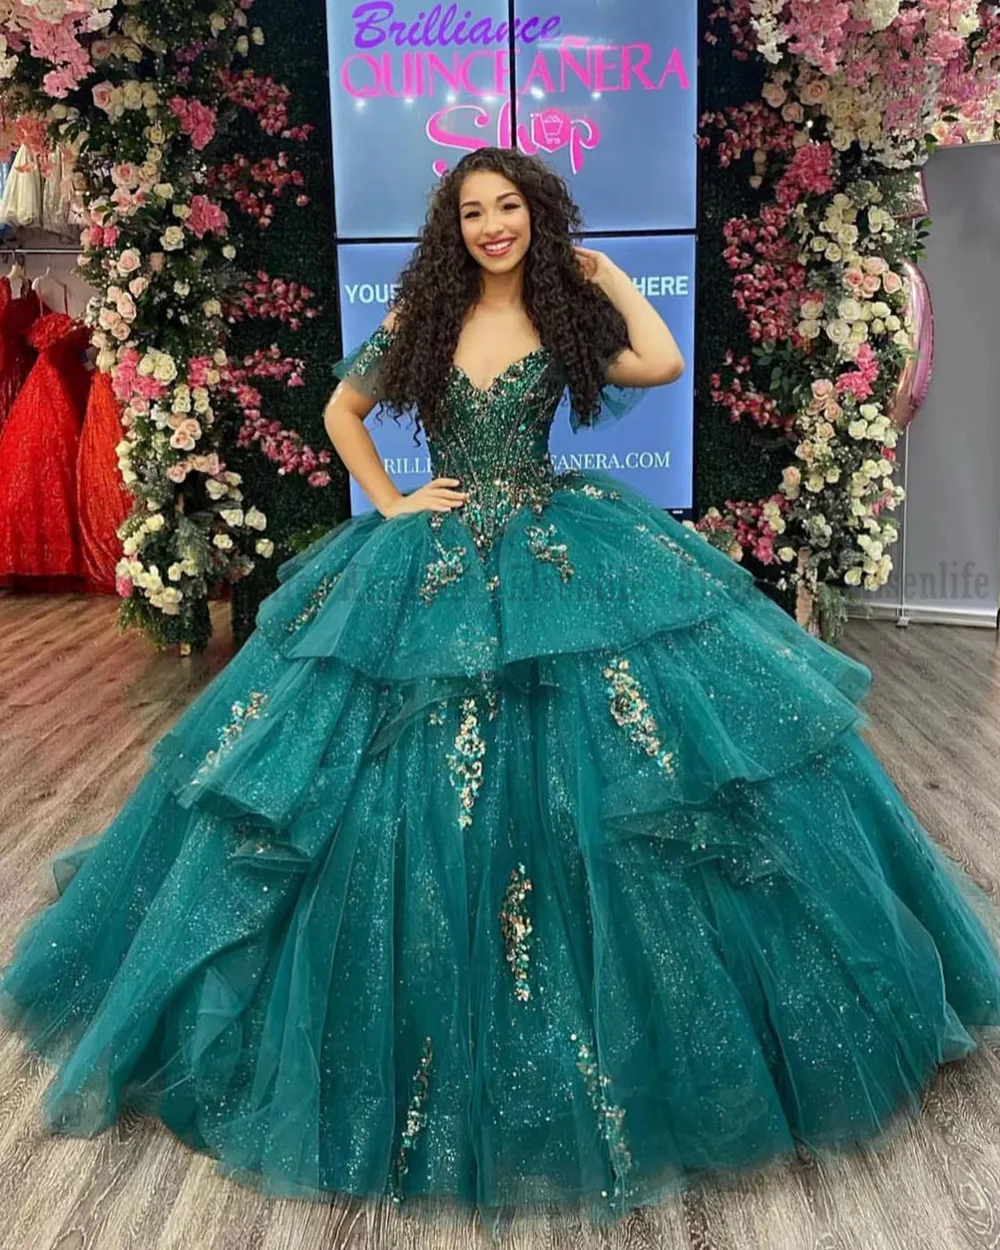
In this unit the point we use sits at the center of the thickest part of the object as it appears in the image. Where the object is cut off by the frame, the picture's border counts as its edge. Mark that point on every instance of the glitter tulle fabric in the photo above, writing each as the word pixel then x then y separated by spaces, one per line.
pixel 16 353
pixel 103 501
pixel 39 522
pixel 525 854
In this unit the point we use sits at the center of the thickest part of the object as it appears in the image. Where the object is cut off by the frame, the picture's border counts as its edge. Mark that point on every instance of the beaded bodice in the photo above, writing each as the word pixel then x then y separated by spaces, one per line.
pixel 496 442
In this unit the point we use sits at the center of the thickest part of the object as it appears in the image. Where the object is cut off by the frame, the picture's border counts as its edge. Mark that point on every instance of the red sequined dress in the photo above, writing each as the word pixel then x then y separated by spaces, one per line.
pixel 39 526
pixel 16 354
pixel 103 500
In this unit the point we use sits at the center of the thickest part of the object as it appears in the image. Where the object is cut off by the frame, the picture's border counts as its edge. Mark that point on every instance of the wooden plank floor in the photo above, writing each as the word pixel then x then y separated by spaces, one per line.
pixel 79 708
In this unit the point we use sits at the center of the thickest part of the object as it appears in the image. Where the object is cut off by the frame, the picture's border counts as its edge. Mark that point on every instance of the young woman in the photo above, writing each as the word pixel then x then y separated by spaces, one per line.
pixel 526 854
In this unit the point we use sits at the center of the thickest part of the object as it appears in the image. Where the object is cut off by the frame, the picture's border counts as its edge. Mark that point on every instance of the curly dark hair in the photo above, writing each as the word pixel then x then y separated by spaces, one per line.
pixel 575 320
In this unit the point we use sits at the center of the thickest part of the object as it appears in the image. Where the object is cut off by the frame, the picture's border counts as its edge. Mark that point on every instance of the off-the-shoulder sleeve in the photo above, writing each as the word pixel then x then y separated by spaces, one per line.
pixel 362 367
pixel 616 402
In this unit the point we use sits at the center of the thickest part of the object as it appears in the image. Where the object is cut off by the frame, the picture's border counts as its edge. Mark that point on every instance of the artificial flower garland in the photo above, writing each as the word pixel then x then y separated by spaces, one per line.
pixel 822 273
pixel 141 89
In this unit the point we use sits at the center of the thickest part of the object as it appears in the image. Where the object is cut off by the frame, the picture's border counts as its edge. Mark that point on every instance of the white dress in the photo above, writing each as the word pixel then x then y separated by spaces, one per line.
pixel 22 195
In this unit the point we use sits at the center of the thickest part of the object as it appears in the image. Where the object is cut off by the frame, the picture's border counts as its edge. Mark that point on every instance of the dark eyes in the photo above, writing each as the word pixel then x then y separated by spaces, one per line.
pixel 510 206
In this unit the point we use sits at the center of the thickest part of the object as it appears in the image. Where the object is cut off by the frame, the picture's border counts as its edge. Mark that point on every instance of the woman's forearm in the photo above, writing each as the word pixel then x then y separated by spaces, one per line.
pixel 353 444
pixel 649 336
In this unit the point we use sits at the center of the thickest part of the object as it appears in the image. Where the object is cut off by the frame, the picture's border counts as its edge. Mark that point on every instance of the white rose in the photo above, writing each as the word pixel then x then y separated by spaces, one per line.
pixel 264 547
pixel 165 368
pixel 155 522
pixel 838 331
pixel 255 519
pixel 223 542
pixel 172 238
pixel 849 310
pixel 853 576
pixel 858 429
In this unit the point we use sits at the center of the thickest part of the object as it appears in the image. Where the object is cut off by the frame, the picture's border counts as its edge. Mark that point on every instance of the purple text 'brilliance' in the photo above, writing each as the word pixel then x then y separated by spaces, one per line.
pixel 442 27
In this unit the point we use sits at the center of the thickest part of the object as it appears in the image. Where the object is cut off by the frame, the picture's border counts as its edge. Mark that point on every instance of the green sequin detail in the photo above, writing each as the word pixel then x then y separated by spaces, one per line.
pixel 542 545
pixel 466 760
pixel 515 925
pixel 512 468
pixel 570 482
pixel 610 1118
pixel 416 1118
pixel 313 603
pixel 241 713
pixel 630 709
pixel 362 368
pixel 448 568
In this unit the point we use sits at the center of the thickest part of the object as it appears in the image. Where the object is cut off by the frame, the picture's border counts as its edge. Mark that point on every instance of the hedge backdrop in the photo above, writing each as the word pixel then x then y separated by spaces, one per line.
pixel 732 461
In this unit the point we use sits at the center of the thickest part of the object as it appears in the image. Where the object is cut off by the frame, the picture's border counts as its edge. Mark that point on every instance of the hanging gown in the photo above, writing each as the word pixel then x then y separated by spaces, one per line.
pixel 17 355
pixel 21 203
pixel 39 526
pixel 104 503
pixel 525 854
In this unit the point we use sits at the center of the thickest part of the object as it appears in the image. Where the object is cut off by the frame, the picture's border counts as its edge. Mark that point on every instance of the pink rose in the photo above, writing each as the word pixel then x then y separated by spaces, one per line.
pixel 814 92
pixel 126 307
pixel 822 387
pixel 853 278
pixel 205 216
pixel 138 285
pixel 129 261
pixel 125 175
pixel 178 472
pixel 156 262
pixel 110 235
pixel 891 283
pixel 123 586
pixel 103 94
pixel 774 94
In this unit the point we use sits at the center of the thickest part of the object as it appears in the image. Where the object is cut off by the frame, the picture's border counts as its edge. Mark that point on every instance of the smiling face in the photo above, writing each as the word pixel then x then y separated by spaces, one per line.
pixel 496 223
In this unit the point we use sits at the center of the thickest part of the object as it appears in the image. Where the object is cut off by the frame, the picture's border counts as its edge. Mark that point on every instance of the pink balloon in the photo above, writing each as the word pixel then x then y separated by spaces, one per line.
pixel 915 380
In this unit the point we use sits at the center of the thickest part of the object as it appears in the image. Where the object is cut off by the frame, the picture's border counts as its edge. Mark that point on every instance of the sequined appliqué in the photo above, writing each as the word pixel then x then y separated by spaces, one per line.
pixel 542 545
pixel 416 1118
pixel 313 603
pixel 630 709
pixel 515 925
pixel 466 760
pixel 671 545
pixel 448 568
pixel 241 713
pixel 495 443
pixel 371 353
pixel 610 1117
pixel 572 482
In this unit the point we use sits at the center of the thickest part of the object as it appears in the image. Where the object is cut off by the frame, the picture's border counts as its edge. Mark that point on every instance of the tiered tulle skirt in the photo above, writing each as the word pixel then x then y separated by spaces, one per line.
pixel 554 877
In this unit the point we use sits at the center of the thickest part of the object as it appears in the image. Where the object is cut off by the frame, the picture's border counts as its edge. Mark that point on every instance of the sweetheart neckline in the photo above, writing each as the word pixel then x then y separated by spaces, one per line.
pixel 485 390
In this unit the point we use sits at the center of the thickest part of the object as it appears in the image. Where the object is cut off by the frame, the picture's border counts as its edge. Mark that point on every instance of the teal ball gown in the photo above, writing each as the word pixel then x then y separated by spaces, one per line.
pixel 525 854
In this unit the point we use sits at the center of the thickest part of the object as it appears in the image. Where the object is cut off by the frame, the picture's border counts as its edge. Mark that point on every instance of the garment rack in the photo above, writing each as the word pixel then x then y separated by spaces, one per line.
pixel 14 251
